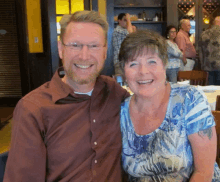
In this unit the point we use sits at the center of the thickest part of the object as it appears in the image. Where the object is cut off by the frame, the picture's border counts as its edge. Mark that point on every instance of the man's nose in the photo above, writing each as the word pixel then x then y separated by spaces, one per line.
pixel 84 52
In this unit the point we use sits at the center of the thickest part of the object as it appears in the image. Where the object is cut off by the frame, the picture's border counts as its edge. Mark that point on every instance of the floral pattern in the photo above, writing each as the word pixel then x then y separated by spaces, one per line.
pixel 174 55
pixel 166 153
pixel 209 46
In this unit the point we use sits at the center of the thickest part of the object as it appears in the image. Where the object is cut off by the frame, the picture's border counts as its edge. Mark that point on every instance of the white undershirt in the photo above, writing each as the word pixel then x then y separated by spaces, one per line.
pixel 87 93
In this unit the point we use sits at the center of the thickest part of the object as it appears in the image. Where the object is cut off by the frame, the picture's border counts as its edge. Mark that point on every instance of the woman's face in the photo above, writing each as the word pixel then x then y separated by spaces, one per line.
pixel 146 74
pixel 172 33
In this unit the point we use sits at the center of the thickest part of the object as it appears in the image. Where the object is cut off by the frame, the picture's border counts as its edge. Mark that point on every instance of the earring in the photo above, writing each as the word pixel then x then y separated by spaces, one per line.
pixel 166 80
pixel 168 36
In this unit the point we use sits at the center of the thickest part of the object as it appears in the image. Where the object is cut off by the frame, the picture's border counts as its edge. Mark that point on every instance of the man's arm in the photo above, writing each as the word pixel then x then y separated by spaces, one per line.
pixel 201 58
pixel 27 156
pixel 181 42
pixel 129 25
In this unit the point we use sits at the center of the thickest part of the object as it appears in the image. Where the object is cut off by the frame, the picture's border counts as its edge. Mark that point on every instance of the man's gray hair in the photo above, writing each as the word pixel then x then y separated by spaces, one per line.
pixel 84 16
pixel 183 21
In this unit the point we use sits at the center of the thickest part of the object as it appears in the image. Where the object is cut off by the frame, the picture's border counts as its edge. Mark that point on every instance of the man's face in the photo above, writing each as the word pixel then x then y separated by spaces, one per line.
pixel 123 22
pixel 82 64
pixel 186 26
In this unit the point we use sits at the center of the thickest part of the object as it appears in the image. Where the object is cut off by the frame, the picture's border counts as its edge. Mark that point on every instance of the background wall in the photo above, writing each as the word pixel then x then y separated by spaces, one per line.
pixel 10 82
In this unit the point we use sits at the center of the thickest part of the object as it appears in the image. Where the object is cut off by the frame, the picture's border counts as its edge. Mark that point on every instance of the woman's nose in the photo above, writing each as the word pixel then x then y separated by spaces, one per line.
pixel 144 69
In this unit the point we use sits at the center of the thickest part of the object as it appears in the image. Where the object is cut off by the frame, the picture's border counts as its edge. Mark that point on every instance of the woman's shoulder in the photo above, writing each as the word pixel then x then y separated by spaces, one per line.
pixel 125 104
pixel 187 92
pixel 184 90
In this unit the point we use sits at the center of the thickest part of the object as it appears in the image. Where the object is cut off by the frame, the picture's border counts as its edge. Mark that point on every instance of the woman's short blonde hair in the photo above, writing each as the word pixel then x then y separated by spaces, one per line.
pixel 84 16
pixel 137 43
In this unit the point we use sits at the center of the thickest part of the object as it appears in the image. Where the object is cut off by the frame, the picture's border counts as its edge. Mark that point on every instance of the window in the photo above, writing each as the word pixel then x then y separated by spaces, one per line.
pixel 66 7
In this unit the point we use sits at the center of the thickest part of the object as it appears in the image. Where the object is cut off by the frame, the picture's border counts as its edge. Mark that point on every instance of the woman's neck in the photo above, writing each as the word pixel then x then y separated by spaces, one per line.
pixel 153 104
pixel 172 40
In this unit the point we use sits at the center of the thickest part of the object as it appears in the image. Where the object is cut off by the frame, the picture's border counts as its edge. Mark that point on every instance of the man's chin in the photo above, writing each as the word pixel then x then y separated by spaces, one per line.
pixel 84 81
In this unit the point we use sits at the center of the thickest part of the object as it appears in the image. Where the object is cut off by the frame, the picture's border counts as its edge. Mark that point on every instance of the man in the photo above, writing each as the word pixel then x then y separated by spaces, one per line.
pixel 209 52
pixel 68 129
pixel 185 45
pixel 123 28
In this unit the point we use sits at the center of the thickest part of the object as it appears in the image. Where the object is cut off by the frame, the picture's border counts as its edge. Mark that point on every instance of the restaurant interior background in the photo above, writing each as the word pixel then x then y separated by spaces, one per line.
pixel 25 66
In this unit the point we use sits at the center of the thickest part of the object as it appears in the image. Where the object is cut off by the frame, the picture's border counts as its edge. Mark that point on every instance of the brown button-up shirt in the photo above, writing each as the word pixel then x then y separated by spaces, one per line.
pixel 61 136
pixel 185 45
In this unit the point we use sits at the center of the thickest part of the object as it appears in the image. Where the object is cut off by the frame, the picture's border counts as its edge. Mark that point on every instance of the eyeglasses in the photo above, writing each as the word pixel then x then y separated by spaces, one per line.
pixel 172 31
pixel 78 47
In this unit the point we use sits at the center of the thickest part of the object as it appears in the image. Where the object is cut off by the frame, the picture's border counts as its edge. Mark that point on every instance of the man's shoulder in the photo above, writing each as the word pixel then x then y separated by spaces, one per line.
pixel 40 95
pixel 112 86
pixel 211 34
pixel 180 34
pixel 109 81
pixel 214 32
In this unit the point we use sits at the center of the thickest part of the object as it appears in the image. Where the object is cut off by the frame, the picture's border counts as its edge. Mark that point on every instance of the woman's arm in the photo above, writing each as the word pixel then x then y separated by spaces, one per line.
pixel 204 154
pixel 173 50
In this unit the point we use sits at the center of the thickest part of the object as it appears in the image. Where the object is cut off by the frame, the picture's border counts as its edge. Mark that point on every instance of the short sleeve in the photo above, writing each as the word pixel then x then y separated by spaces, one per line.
pixel 198 112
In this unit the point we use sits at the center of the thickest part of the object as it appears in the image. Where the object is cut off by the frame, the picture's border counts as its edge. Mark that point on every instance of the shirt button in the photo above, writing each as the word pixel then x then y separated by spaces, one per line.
pixel 96 161
pixel 95 143
pixel 93 120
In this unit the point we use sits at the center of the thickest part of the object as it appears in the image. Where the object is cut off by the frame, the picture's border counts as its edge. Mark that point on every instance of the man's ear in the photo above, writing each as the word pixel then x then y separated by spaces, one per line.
pixel 60 49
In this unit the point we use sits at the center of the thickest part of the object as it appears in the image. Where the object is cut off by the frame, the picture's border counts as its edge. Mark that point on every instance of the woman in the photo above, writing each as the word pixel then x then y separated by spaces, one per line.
pixel 168 131
pixel 175 55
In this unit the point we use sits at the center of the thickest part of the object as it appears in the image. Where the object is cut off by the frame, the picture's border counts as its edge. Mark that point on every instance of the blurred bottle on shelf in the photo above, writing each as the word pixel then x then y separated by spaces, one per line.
pixel 156 18
pixel 144 16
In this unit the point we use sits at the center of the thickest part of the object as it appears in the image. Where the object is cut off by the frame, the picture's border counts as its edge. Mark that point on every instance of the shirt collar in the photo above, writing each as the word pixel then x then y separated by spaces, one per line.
pixel 60 90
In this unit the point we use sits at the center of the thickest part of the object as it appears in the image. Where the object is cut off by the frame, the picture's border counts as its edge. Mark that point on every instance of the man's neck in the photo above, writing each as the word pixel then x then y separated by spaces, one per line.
pixel 184 31
pixel 83 88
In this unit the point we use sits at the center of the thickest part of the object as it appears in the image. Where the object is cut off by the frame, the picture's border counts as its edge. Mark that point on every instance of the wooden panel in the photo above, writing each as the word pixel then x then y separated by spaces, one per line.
pixel 34 26
pixel 10 82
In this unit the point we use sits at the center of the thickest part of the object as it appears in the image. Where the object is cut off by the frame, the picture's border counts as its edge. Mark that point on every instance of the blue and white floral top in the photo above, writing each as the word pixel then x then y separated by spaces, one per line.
pixel 166 154
pixel 174 55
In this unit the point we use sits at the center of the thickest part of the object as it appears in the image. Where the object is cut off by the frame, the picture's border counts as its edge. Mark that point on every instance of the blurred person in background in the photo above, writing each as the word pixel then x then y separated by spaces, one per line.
pixel 185 45
pixel 175 55
pixel 209 52
pixel 123 28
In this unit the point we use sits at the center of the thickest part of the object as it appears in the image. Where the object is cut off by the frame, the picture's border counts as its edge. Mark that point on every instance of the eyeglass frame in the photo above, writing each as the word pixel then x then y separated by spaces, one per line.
pixel 173 31
pixel 89 46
